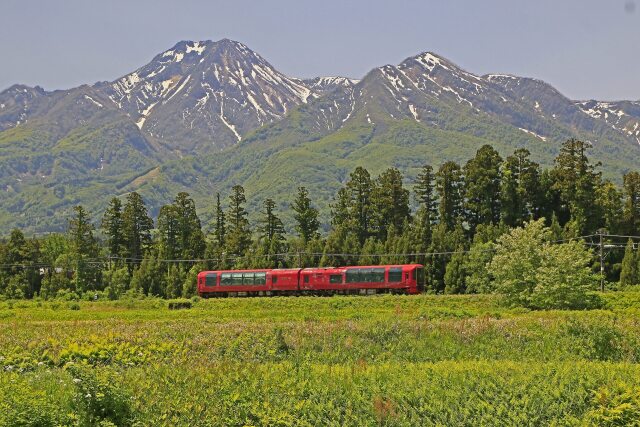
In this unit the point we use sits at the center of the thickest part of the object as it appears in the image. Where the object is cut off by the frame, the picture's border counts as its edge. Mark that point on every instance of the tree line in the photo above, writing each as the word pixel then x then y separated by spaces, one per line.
pixel 460 211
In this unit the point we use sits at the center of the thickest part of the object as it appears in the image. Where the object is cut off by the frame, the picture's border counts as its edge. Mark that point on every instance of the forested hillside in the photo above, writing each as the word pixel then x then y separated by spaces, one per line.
pixel 462 212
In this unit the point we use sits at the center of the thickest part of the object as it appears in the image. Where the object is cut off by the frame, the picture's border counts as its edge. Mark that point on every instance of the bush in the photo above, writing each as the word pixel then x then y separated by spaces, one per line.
pixel 535 273
pixel 98 401
pixel 117 281
pixel 617 407
pixel 600 341
pixel 179 304
pixel 66 295
pixel 26 404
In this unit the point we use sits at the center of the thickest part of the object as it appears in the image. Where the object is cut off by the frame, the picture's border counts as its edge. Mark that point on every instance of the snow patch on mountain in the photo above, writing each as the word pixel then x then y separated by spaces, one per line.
pixel 196 47
pixel 414 112
pixel 544 138
pixel 99 105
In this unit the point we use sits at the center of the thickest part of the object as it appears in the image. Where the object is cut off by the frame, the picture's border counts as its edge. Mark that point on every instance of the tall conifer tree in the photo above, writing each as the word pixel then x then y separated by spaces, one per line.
pixel 238 237
pixel 360 189
pixel 390 202
pixel 449 185
pixel 112 226
pixel 482 187
pixel 629 272
pixel 136 227
pixel 220 228
pixel 306 216
pixel 631 215
pixel 425 192
pixel 83 250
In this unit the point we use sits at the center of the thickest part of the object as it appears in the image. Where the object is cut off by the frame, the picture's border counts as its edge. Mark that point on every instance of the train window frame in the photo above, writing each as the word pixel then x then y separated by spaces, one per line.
pixel 225 279
pixel 397 275
pixel 209 277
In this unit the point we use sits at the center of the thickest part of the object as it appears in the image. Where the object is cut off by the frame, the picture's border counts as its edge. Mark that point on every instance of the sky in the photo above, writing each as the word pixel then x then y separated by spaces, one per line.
pixel 587 49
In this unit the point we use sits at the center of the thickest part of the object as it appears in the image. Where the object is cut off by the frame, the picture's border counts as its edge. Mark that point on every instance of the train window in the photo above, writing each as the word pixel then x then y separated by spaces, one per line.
pixel 365 275
pixel 236 279
pixel 353 275
pixel 225 279
pixel 306 278
pixel 210 279
pixel 260 279
pixel 335 278
pixel 247 279
pixel 395 274
pixel 377 275
pixel 274 279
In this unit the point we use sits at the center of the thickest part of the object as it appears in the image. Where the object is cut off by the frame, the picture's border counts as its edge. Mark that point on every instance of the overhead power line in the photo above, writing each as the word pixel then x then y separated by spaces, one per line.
pixel 129 260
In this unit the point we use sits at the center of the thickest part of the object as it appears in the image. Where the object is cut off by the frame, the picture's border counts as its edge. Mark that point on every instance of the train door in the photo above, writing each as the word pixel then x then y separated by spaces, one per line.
pixel 420 278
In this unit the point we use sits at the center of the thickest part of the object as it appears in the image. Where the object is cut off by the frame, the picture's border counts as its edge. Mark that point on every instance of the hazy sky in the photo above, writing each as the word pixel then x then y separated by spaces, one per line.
pixel 585 48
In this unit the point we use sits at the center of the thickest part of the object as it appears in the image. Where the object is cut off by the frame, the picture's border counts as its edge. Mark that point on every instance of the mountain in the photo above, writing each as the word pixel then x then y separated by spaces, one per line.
pixel 203 116
pixel 424 109
pixel 205 95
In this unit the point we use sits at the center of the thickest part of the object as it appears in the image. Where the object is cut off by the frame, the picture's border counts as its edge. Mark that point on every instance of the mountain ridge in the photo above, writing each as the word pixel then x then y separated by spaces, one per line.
pixel 203 115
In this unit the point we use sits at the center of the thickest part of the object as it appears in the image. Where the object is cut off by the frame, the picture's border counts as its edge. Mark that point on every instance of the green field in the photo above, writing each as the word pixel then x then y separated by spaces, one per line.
pixel 385 360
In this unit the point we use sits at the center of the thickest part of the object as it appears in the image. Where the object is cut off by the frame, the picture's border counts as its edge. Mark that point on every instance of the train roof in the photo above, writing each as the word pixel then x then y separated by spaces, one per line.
pixel 291 270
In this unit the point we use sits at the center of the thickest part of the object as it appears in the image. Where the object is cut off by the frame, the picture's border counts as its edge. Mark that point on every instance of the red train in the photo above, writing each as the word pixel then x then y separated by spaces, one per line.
pixel 365 280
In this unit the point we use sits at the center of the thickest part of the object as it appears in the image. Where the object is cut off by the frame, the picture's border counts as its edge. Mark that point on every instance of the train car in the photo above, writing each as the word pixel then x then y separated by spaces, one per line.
pixel 407 278
pixel 364 279
pixel 247 282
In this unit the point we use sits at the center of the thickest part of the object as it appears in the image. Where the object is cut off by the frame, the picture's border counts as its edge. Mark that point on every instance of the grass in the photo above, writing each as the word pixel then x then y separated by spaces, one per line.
pixel 388 360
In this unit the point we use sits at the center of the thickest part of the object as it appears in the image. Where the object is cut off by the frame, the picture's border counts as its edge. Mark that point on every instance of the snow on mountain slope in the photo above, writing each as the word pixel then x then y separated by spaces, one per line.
pixel 18 103
pixel 200 96
pixel 622 116
pixel 206 94
pixel 432 90
pixel 323 85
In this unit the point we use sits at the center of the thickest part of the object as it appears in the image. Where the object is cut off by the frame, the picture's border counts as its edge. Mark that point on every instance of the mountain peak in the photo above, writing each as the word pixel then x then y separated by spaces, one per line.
pixel 230 42
pixel 183 48
pixel 431 61
pixel 209 92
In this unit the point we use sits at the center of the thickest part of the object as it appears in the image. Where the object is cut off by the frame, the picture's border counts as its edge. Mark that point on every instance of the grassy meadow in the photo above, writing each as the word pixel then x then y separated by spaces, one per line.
pixel 383 360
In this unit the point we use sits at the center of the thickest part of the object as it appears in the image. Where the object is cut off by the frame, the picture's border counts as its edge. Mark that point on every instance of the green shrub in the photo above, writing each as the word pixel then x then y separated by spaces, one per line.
pixel 97 400
pixel 179 304
pixel 598 341
pixel 535 273
pixel 25 402
pixel 619 406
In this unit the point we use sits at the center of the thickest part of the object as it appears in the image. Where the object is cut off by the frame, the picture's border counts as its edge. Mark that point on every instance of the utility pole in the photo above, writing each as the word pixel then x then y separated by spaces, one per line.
pixel 601 234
